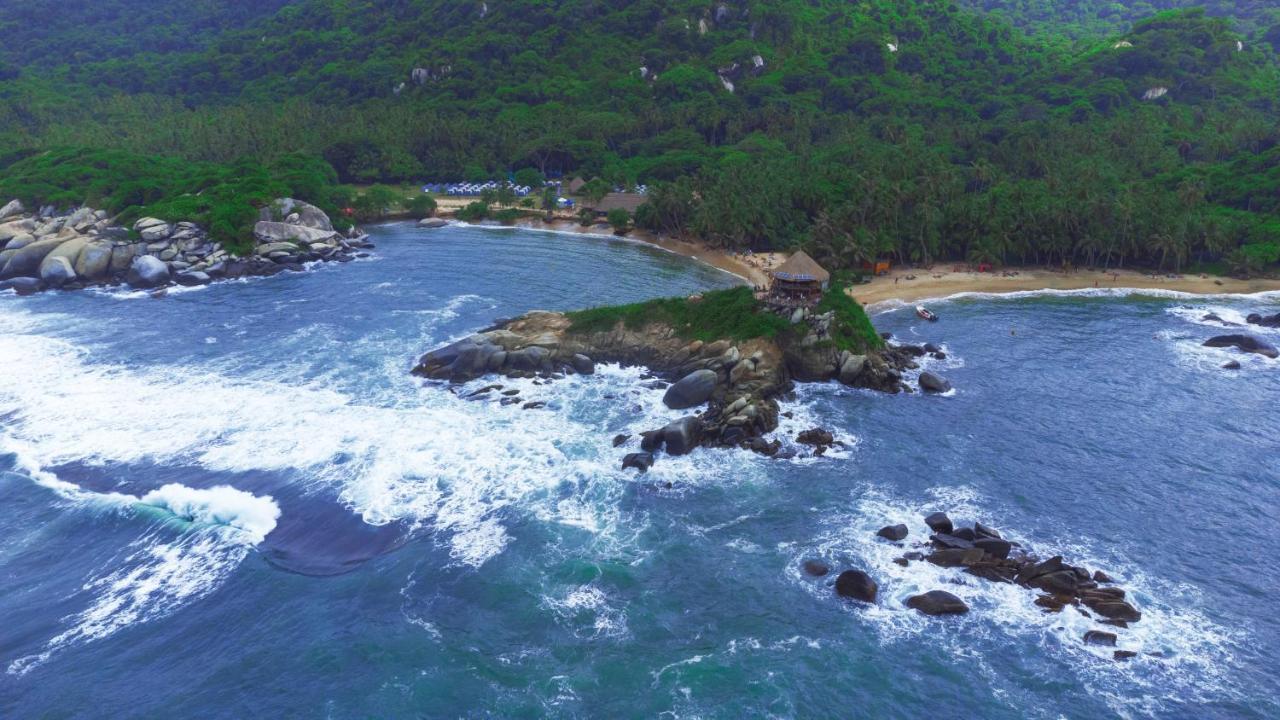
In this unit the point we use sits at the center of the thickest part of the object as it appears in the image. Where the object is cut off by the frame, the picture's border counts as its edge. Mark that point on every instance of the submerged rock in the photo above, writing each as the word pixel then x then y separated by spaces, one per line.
pixel 937 602
pixel 641 461
pixel 816 568
pixel 893 532
pixel 932 383
pixel 1246 343
pixel 856 585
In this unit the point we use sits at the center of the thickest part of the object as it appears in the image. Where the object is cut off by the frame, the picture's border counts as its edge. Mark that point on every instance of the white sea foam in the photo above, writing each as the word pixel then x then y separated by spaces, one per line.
pixel 588 612
pixel 1182 652
pixel 154 579
pixel 221 505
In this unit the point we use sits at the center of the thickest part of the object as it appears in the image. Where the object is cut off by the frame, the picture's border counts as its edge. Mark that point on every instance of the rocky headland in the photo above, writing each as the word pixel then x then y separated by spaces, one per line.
pixel 48 249
pixel 735 381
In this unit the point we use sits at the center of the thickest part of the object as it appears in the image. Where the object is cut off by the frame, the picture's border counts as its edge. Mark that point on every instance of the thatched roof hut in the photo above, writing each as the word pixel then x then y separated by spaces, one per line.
pixel 800 281
pixel 800 268
pixel 627 201
pixel 575 185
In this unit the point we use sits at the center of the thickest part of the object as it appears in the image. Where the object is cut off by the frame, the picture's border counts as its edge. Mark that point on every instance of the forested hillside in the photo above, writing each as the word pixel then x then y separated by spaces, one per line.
pixel 1259 19
pixel 907 128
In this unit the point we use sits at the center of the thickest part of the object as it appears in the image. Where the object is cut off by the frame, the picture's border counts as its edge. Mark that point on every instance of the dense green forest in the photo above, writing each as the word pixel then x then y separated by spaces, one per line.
pixel 913 129
pixel 1257 19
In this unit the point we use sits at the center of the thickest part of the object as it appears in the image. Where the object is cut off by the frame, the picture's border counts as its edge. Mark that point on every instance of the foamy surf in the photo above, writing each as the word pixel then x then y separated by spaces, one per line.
pixel 1182 653
pixel 894 305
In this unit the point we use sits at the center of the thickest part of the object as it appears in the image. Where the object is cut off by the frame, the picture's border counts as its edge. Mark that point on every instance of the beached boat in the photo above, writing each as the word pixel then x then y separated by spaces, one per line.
pixel 926 314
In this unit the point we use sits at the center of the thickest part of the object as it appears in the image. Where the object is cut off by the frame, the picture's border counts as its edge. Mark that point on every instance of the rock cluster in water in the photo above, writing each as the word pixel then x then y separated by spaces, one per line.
pixel 982 552
pixel 46 249
pixel 737 384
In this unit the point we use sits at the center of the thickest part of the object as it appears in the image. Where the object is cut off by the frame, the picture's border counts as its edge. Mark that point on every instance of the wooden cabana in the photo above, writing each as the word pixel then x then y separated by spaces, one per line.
pixel 799 281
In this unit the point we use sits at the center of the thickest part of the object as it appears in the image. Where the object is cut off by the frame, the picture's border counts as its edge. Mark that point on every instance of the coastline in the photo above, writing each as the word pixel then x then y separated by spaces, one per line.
pixel 910 285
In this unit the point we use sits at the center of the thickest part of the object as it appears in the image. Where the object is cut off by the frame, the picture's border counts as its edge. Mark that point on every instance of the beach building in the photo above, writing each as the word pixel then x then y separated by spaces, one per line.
pixel 799 281
pixel 575 185
pixel 627 201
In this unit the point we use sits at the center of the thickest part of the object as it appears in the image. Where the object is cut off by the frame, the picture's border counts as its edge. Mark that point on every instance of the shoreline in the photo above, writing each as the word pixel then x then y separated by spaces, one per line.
pixel 911 285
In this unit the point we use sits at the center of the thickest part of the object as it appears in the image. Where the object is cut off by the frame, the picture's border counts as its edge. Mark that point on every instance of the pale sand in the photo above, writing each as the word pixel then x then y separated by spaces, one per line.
pixel 944 283
pixel 938 283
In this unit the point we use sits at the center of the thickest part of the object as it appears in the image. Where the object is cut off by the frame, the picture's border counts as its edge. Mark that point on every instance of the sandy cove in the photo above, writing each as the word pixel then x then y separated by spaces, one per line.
pixel 917 284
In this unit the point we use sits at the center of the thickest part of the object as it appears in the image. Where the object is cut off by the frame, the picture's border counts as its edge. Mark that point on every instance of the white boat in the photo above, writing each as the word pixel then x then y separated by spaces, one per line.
pixel 926 314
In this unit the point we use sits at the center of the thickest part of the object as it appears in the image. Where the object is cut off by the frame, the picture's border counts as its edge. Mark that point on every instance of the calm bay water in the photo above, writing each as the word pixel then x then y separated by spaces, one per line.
pixel 234 502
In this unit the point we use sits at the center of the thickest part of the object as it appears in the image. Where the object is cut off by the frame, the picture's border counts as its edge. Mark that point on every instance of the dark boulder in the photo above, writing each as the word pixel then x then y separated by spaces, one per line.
pixel 22 285
pixel 817 437
pixel 965 533
pixel 994 547
pixel 893 532
pixel 939 522
pixel 692 390
pixel 1246 343
pixel 983 531
pixel 1098 637
pixel 1032 570
pixel 816 568
pixel 1099 576
pixel 529 359
pixel 937 602
pixel 856 585
pixel 619 439
pixel 932 383
pixel 583 365
pixel 1271 321
pixel 945 541
pixel 1231 365
pixel 651 441
pixel 1116 610
pixel 682 436
pixel 1063 582
pixel 641 461
pixel 1124 654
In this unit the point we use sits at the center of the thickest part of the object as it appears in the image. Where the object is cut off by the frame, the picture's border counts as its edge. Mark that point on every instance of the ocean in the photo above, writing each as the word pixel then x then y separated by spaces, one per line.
pixel 234 501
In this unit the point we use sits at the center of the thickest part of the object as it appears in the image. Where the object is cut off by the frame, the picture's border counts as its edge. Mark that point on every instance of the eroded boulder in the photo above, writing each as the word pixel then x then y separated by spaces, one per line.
pixel 692 390
pixel 147 272
pixel 937 602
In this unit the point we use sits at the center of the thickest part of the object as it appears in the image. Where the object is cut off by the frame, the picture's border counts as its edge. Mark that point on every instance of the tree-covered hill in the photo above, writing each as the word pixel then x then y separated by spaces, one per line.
pixel 909 128
pixel 1259 19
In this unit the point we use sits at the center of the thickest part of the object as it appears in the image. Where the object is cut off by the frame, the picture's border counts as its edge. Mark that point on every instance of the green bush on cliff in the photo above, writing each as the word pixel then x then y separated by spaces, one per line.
pixel 851 329
pixel 730 314
pixel 222 198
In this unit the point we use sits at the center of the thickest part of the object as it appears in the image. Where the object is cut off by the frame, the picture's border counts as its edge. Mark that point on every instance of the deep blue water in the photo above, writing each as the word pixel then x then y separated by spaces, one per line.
pixel 234 502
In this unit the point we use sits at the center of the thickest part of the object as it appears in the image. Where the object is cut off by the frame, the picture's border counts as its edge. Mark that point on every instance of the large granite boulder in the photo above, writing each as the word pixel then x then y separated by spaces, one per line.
pixel 11 230
pixel 268 233
pixel 432 223
pixel 153 229
pixel 296 212
pixel 932 383
pixel 937 602
pixel 147 272
pixel 122 257
pixel 1247 343
pixel 856 585
pixel 682 436
pixel 94 262
pixel 692 390
pixel 26 261
pixel 22 285
pixel 56 272
pixel 851 368
pixel 12 208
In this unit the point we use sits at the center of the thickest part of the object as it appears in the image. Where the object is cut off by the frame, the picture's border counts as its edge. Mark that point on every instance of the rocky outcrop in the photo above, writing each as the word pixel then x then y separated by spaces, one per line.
pixel 735 385
pixel 1268 321
pixel 1246 343
pixel 980 551
pixel 83 247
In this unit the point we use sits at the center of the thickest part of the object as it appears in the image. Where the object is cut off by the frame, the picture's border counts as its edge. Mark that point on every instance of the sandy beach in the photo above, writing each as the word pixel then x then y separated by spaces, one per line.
pixel 910 285
pixel 916 284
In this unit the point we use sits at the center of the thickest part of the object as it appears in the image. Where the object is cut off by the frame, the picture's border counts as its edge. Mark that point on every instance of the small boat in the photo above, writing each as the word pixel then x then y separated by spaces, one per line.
pixel 926 314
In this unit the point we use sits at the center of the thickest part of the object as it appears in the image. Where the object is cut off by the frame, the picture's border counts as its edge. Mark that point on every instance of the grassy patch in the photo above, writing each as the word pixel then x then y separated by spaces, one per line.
pixel 721 314
pixel 852 329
